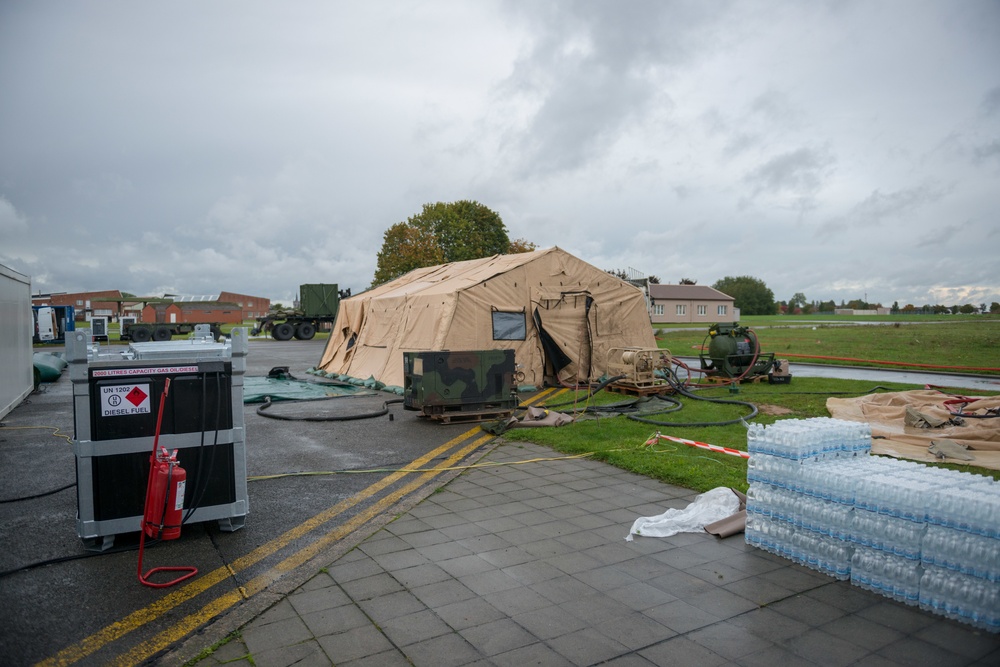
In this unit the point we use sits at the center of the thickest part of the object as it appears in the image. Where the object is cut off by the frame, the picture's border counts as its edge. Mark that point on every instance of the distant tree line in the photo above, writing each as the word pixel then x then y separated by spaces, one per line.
pixel 798 305
pixel 461 230
pixel 753 297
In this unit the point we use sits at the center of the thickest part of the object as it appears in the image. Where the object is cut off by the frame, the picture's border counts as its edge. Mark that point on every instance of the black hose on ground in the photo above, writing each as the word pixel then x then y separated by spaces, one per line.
pixel 38 495
pixel 684 392
pixel 336 418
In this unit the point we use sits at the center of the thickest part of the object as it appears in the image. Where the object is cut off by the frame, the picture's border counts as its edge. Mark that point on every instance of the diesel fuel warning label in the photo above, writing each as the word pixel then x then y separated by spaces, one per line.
pixel 125 399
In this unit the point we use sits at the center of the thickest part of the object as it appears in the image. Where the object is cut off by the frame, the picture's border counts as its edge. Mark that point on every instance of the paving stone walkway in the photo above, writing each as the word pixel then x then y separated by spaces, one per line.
pixel 527 565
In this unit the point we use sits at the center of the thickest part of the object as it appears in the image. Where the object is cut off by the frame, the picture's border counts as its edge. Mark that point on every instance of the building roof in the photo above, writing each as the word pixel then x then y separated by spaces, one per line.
pixel 178 298
pixel 687 293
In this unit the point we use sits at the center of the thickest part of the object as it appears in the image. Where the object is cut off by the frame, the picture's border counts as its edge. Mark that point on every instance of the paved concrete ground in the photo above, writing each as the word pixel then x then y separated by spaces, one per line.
pixel 528 565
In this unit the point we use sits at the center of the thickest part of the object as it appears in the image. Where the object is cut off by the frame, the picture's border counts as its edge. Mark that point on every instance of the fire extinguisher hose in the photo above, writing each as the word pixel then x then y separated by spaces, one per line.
pixel 189 571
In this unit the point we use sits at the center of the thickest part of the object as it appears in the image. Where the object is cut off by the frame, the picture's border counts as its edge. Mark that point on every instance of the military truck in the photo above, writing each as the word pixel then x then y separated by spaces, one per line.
pixel 316 306
pixel 143 332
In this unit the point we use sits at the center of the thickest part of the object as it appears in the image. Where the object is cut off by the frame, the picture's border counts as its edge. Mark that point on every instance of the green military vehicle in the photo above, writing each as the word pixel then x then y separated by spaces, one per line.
pixel 316 306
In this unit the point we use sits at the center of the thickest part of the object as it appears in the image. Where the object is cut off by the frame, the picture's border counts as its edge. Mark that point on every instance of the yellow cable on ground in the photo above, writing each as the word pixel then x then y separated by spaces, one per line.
pixel 55 431
pixel 488 464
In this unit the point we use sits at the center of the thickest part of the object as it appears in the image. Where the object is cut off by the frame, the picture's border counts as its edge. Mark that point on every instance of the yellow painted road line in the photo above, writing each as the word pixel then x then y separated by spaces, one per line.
pixel 545 394
pixel 192 622
pixel 140 617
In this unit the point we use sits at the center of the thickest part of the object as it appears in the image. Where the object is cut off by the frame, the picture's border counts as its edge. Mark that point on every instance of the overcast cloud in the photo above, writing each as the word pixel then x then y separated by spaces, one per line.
pixel 838 149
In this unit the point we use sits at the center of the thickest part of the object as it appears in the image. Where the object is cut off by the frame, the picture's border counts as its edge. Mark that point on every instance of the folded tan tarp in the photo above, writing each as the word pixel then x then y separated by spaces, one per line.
pixel 542 417
pixel 886 413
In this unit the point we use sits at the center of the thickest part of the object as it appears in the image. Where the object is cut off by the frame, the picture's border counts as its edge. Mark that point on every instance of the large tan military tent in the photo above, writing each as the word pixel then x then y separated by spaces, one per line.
pixel 560 315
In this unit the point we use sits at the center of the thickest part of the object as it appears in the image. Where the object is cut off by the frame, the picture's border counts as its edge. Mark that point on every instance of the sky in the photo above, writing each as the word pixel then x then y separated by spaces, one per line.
pixel 843 150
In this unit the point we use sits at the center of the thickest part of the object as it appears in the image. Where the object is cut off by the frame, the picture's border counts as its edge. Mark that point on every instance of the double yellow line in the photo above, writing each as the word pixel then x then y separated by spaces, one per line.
pixel 220 604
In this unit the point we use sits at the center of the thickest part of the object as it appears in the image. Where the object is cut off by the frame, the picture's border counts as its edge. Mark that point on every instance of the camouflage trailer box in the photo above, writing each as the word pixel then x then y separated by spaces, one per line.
pixel 469 381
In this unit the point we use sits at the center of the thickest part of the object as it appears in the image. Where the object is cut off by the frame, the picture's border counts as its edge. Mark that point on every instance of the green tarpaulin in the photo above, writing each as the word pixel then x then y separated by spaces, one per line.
pixel 256 389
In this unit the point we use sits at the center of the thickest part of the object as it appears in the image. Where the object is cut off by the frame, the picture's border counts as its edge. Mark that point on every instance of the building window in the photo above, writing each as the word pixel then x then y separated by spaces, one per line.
pixel 723 309
pixel 702 310
pixel 509 326
pixel 681 309
pixel 658 309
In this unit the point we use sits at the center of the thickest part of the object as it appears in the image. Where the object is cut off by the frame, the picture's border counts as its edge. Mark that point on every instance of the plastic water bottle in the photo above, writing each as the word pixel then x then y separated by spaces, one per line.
pixel 755 438
pixel 903 537
pixel 916 534
pixel 961 597
pixel 864 564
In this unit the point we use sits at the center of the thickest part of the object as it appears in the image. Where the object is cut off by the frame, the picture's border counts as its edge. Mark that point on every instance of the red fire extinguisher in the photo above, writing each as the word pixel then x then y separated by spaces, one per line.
pixel 164 502
pixel 164 496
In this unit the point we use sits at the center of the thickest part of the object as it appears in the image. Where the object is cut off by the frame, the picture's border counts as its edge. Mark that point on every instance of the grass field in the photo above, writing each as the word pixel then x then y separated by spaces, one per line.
pixel 950 341
pixel 620 441
pixel 962 345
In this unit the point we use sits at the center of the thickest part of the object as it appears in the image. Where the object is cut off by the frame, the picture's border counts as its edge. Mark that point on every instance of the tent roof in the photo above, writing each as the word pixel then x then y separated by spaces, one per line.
pixel 449 306
pixel 454 276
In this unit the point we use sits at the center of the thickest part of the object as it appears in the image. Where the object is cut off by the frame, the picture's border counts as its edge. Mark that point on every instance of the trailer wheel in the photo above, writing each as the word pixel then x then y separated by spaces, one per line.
pixel 140 334
pixel 161 334
pixel 305 331
pixel 216 333
pixel 283 331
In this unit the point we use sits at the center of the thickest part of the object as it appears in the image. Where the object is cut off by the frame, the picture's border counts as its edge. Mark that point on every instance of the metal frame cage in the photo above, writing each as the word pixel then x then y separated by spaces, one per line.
pixel 115 395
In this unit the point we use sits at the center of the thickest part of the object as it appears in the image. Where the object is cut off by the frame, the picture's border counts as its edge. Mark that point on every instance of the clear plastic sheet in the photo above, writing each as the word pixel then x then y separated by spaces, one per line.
pixel 707 508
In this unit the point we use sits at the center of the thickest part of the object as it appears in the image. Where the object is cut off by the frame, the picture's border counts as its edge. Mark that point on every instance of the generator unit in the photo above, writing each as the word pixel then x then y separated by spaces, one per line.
pixel 639 366
pixel 460 386
pixel 99 328
pixel 734 352
pixel 115 399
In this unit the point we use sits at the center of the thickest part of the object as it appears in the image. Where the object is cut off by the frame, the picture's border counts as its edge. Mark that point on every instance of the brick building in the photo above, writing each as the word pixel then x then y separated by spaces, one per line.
pixel 225 307
pixel 106 303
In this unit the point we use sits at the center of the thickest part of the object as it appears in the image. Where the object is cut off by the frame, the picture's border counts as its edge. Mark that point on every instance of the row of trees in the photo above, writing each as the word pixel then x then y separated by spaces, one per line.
pixel 927 309
pixel 457 231
pixel 798 305
pixel 753 297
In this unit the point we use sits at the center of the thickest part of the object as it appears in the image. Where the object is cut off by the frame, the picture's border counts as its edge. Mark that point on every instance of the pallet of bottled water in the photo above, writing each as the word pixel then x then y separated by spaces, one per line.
pixel 921 535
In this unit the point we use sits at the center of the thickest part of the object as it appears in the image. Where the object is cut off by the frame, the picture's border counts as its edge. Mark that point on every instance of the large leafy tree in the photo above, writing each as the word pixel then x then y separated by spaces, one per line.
pixel 444 232
pixel 404 248
pixel 749 294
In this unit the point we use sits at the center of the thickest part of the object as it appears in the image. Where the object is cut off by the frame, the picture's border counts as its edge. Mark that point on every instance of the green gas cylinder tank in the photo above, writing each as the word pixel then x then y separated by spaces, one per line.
pixel 733 351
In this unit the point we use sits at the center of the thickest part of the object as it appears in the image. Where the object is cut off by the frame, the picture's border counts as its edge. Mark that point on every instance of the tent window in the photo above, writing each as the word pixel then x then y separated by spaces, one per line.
pixel 509 326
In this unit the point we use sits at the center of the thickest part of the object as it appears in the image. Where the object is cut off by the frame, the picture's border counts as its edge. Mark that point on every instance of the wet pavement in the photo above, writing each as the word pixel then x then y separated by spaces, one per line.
pixel 525 563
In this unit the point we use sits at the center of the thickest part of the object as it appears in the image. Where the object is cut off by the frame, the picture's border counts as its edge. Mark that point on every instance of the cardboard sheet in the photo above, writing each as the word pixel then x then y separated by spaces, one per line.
pixel 892 437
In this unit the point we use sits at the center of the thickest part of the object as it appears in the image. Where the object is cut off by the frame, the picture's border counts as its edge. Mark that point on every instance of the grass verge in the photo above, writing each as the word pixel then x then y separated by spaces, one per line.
pixel 949 344
pixel 620 441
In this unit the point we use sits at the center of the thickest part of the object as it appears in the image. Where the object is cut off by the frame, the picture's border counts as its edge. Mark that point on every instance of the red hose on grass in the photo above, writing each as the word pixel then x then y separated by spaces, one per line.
pixel 891 363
